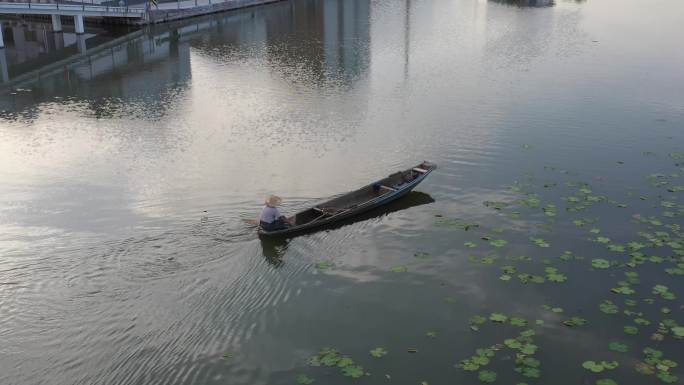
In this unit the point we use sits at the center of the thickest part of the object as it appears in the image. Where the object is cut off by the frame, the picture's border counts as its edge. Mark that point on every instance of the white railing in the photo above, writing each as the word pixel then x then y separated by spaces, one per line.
pixel 85 9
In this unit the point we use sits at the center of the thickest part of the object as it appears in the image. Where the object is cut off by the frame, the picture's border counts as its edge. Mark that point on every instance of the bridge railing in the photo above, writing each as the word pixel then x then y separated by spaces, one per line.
pixel 70 6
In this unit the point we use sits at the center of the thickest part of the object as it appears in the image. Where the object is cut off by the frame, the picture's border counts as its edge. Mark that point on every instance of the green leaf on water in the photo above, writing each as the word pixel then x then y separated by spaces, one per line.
pixel 626 290
pixel 431 334
pixel 468 365
pixel 470 244
pixel 617 346
pixel 303 379
pixel 667 377
pixel 593 366
pixel 642 322
pixel 487 376
pixel 608 307
pixel 345 361
pixel 399 269
pixel 516 321
pixel 498 243
pixel 598 367
pixel 480 360
pixel 678 331
pixel 600 263
pixel 513 343
pixel 616 248
pixel 603 240
pixel 498 317
pixel 324 265
pixel 378 352
pixel 556 277
pixel 631 330
pixel 505 277
pixel 644 368
pixel 529 372
pixel 575 321
pixel 606 381
pixel 540 242
pixel 355 371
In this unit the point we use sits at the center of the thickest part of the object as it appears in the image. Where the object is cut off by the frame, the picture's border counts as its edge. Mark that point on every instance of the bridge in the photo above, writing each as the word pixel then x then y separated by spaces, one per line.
pixel 141 13
pixel 77 11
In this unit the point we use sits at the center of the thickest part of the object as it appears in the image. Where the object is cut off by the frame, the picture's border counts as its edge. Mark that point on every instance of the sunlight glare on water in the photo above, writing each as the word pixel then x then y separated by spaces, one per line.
pixel 127 173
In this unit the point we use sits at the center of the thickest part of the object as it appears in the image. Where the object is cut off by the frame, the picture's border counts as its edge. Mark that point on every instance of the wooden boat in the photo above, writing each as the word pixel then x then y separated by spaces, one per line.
pixel 356 202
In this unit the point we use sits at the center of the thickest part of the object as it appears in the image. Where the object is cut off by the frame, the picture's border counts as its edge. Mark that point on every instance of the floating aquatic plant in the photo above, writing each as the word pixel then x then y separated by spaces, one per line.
pixel 354 371
pixel 303 379
pixel 487 376
pixel 600 263
pixel 617 346
pixel 498 243
pixel 378 352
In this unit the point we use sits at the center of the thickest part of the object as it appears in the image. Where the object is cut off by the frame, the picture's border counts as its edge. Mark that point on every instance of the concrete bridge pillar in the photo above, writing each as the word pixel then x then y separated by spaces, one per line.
pixel 3 66
pixel 78 24
pixel 2 39
pixel 81 44
pixel 56 23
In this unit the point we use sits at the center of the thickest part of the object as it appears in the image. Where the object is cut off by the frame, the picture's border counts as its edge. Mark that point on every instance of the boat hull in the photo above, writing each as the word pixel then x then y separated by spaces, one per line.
pixel 361 208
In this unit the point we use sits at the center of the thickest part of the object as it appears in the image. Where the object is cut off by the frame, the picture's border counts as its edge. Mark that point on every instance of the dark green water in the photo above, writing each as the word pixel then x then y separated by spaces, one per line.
pixel 127 168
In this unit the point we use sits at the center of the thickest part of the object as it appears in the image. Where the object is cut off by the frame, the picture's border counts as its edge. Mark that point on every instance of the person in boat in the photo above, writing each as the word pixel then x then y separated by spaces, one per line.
pixel 270 219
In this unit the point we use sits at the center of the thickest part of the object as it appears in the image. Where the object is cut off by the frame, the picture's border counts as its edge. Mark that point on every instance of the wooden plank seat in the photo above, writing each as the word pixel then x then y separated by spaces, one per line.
pixel 420 170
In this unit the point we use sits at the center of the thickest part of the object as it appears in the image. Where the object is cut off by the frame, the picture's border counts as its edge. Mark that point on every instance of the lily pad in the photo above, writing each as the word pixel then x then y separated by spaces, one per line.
pixel 608 307
pixel 354 371
pixel 344 362
pixel 498 317
pixel 600 263
pixel 606 381
pixel 667 377
pixel 378 352
pixel 593 366
pixel 399 269
pixel 575 321
pixel 617 346
pixel 487 376
pixel 540 242
pixel 516 321
pixel 303 379
pixel 498 243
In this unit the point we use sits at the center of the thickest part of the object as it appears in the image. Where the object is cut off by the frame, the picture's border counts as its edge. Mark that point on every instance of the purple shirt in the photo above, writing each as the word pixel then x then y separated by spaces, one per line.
pixel 269 214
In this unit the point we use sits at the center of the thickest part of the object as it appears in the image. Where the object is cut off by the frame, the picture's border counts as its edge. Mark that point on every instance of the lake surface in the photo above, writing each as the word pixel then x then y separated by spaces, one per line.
pixel 129 160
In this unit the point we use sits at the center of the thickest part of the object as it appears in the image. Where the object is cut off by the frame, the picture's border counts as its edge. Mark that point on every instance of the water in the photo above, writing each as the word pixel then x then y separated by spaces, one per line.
pixel 129 160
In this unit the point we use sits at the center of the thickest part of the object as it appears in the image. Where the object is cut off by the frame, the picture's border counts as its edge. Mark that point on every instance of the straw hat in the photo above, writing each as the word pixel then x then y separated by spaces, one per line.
pixel 274 200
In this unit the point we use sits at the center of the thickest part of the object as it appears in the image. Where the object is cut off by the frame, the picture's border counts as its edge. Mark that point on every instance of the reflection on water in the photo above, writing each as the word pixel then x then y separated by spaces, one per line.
pixel 128 163
pixel 44 65
pixel 527 3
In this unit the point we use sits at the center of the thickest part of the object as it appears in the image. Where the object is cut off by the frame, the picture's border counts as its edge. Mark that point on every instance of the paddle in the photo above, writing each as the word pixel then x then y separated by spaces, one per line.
pixel 253 222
